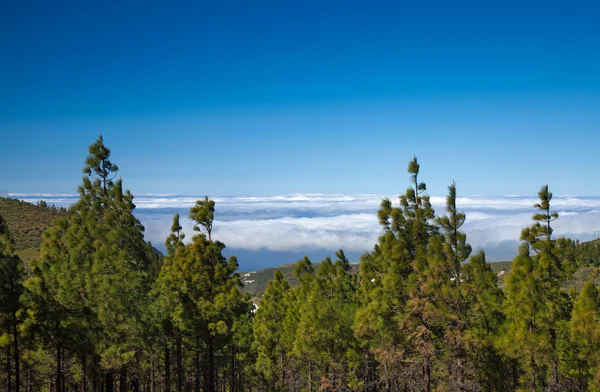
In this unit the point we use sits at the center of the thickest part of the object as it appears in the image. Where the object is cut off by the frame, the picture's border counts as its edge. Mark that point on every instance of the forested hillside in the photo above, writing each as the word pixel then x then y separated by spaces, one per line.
pixel 100 310
pixel 255 282
pixel 27 222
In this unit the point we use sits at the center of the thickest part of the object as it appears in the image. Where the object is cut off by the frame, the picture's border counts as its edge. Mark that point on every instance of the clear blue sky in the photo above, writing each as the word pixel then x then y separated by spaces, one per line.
pixel 257 97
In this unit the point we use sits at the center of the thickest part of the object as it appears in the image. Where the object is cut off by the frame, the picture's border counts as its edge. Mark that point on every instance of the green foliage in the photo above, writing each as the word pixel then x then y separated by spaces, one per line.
pixel 175 239
pixel 11 288
pixel 11 280
pixel 86 294
pixel 101 307
pixel 98 166
pixel 273 356
pixel 535 307
pixel 325 336
pixel 255 282
pixel 585 333
pixel 588 254
pixel 488 368
pixel 203 213
pixel 203 299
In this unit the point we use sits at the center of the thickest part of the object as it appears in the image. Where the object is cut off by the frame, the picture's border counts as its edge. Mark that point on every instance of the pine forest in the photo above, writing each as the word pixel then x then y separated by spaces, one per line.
pixel 101 310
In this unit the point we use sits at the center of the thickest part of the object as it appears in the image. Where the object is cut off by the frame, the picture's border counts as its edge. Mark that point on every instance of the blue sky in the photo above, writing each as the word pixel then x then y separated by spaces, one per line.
pixel 264 98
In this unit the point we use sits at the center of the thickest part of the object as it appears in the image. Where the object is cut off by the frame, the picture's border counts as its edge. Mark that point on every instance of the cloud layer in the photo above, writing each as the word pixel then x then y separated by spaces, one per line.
pixel 309 222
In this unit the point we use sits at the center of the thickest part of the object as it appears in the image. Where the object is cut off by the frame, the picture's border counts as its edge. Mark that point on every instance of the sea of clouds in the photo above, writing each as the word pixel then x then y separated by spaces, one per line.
pixel 289 226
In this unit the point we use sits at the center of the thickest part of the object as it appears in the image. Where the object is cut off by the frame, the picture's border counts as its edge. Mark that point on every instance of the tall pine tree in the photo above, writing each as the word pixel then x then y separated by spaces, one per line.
pixel 585 334
pixel 384 276
pixel 88 290
pixel 11 288
pixel 207 287
pixel 272 361
pixel 535 305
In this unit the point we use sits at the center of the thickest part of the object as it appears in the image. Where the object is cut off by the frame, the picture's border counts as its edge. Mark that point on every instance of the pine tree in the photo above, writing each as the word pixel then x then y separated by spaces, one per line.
pixel 120 278
pixel 453 300
pixel 483 318
pixel 89 287
pixel 384 274
pixel 585 334
pixel 203 213
pixel 164 302
pixel 98 165
pixel 423 314
pixel 175 239
pixel 272 360
pixel 207 286
pixel 61 320
pixel 330 302
pixel 535 306
pixel 244 356
pixel 524 302
pixel 11 280
pixel 304 272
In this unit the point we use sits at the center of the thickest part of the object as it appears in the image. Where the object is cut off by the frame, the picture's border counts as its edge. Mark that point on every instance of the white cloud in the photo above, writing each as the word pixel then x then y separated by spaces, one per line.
pixel 305 222
pixel 30 197
pixel 353 232
pixel 359 232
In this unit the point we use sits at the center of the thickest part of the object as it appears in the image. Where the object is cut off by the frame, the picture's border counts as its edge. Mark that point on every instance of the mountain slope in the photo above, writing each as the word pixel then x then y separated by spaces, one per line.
pixel 255 282
pixel 27 222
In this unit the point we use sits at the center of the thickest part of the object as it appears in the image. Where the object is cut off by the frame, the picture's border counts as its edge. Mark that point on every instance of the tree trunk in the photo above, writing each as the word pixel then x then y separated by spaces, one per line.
pixel 239 379
pixel 232 386
pixel 459 369
pixel 167 380
pixel 205 373
pixel 8 370
pixel 63 372
pixel 179 366
pixel 554 383
pixel 197 368
pixel 84 373
pixel 309 375
pixel 188 382
pixel 123 379
pixel 152 378
pixel 109 382
pixel 387 377
pixel 59 387
pixel 94 377
pixel 427 376
pixel 211 365
pixel 533 371
pixel 515 374
pixel 366 377
pixel 459 373
pixel 282 375
pixel 16 357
